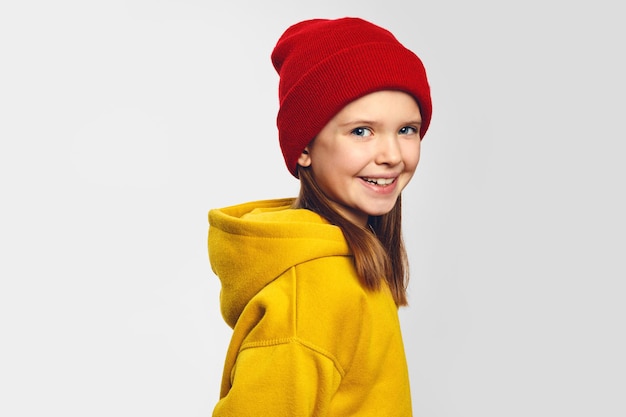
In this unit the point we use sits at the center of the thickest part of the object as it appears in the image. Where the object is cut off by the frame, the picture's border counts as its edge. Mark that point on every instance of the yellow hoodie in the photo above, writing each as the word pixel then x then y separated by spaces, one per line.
pixel 308 338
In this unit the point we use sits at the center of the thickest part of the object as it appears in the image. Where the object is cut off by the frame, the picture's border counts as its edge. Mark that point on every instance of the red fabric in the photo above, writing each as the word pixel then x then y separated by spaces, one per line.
pixel 325 64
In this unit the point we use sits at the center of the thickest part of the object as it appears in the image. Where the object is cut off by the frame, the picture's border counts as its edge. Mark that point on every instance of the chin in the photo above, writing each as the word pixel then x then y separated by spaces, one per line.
pixel 382 207
pixel 379 211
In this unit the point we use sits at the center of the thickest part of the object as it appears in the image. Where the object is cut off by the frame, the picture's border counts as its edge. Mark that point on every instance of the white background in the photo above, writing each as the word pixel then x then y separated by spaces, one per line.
pixel 123 122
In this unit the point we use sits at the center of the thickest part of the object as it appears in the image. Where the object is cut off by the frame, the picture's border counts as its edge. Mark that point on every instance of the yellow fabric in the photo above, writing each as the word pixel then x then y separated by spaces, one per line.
pixel 308 339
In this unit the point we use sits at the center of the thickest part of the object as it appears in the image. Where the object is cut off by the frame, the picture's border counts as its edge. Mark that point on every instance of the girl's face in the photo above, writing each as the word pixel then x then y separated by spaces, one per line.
pixel 365 156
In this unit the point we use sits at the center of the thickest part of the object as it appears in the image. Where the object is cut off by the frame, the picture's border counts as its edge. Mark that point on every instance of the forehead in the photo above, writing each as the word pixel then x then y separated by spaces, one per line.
pixel 382 104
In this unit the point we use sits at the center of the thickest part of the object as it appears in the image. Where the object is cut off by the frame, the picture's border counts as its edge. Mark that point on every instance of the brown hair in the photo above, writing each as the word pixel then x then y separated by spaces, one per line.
pixel 378 256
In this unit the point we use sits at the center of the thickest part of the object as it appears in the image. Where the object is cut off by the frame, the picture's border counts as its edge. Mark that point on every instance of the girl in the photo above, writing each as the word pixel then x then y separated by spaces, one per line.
pixel 311 286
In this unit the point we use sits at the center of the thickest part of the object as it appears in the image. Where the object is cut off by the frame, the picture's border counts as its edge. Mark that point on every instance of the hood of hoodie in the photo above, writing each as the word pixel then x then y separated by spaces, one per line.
pixel 252 244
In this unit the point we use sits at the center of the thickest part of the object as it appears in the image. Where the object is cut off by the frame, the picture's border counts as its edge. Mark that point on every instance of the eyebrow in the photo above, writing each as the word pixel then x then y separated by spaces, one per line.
pixel 359 122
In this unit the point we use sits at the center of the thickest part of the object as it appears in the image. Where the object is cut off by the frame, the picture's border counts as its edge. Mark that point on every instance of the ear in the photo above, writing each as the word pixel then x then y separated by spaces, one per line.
pixel 305 158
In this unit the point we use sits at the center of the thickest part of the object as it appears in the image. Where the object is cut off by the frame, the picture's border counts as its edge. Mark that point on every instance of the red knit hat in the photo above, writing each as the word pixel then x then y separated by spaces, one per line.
pixel 325 64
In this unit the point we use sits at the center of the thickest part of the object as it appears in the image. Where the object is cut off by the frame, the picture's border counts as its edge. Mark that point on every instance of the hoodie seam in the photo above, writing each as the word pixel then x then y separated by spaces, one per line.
pixel 295 339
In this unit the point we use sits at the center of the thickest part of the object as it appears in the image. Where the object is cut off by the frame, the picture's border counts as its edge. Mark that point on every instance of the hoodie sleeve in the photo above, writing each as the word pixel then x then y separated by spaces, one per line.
pixel 287 378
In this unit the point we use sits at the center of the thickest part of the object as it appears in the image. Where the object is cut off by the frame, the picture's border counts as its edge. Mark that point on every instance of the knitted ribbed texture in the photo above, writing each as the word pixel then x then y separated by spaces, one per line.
pixel 325 64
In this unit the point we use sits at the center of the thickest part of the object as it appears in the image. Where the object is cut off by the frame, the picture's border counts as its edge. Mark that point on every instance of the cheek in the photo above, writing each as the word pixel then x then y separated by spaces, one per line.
pixel 411 156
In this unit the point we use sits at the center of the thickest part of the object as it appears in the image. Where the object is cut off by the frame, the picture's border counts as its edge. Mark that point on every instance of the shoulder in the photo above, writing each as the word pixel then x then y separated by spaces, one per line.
pixel 322 304
pixel 336 312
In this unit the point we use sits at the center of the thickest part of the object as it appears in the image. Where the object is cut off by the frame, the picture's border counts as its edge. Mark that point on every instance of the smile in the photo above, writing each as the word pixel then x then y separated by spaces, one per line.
pixel 380 181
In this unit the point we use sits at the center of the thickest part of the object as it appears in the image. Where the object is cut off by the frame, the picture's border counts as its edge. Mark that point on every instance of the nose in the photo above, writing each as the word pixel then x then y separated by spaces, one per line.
pixel 388 150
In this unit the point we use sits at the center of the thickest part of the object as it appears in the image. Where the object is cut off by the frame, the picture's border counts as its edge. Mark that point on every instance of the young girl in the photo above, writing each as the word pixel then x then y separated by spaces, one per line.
pixel 311 286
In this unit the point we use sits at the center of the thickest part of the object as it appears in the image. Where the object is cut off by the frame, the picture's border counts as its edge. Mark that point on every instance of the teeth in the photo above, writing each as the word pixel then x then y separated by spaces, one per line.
pixel 380 181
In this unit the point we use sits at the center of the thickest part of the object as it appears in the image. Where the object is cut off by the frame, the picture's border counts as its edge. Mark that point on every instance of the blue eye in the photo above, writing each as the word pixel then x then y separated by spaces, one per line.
pixel 362 131
pixel 408 130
